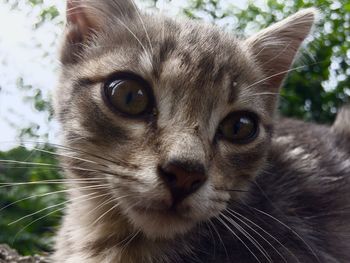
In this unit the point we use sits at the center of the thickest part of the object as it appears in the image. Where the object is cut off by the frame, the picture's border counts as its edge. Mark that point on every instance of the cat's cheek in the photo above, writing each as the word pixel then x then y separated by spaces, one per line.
pixel 235 160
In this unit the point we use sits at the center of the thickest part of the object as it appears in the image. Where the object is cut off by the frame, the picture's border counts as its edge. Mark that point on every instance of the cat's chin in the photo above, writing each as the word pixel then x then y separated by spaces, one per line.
pixel 160 224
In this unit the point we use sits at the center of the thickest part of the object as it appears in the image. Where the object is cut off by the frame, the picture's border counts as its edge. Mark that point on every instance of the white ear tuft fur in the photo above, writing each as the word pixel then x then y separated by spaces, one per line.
pixel 275 47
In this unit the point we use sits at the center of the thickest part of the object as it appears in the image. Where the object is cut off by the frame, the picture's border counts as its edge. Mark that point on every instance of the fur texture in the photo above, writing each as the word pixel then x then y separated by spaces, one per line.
pixel 284 197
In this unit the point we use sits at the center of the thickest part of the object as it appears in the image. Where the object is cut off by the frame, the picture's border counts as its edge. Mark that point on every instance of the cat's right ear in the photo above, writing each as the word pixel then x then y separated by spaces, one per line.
pixel 86 18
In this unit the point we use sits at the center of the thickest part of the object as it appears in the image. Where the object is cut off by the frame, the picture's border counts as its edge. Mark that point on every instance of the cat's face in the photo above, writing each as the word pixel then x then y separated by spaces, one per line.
pixel 177 111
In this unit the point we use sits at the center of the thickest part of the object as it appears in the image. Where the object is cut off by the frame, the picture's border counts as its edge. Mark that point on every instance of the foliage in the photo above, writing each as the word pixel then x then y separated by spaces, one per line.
pixel 29 235
pixel 312 92
pixel 317 89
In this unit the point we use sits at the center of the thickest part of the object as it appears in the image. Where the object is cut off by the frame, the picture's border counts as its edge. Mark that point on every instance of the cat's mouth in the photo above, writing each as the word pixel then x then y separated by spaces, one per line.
pixel 172 211
pixel 162 222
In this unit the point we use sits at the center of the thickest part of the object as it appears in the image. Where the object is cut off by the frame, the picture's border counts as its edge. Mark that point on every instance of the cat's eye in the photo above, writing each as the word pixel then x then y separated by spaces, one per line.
pixel 128 94
pixel 239 127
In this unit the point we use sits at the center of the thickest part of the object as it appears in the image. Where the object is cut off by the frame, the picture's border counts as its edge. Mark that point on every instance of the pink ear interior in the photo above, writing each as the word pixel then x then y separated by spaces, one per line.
pixel 275 47
pixel 79 28
pixel 78 22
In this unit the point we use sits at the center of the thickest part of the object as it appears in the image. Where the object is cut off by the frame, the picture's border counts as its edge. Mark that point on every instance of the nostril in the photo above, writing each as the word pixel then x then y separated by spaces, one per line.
pixel 170 178
pixel 196 185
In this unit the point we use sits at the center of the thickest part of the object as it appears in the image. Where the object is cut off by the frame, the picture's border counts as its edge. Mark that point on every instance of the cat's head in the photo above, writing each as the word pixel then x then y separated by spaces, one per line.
pixel 175 116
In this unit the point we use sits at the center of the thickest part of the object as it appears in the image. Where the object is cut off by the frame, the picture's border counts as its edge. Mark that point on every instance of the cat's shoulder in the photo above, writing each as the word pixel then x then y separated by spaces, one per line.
pixel 291 134
pixel 308 150
pixel 306 182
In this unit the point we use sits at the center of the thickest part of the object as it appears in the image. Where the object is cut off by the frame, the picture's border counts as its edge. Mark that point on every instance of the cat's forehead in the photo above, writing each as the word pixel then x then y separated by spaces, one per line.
pixel 203 50
pixel 165 50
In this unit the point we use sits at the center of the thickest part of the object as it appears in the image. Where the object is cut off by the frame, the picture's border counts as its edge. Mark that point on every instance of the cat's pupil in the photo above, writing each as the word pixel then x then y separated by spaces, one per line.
pixel 129 98
pixel 237 127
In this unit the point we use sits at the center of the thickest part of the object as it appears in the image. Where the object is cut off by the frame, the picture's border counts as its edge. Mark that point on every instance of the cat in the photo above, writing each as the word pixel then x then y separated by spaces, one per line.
pixel 174 151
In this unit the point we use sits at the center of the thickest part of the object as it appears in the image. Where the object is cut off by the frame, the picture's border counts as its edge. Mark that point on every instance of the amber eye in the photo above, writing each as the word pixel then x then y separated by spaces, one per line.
pixel 239 127
pixel 128 95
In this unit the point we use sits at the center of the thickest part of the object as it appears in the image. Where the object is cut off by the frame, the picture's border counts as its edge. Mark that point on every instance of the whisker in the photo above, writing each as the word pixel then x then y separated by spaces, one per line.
pixel 10 166
pixel 124 240
pixel 264 93
pixel 29 163
pixel 71 149
pixel 134 35
pixel 289 228
pixel 51 193
pixel 36 220
pixel 277 55
pixel 119 175
pixel 143 25
pixel 249 237
pixel 232 213
pixel 229 229
pixel 57 181
pixel 109 210
pixel 53 206
pixel 64 155
pixel 230 190
pixel 267 233
pixel 58 167
pixel 90 9
pixel 130 207
pixel 63 180
pixel 129 241
pixel 218 234
pixel 212 237
pixel 281 73
pixel 108 201
pixel 275 75
pixel 55 211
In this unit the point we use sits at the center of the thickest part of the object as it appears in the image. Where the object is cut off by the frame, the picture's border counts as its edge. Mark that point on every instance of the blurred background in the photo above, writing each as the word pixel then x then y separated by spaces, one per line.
pixel 30 209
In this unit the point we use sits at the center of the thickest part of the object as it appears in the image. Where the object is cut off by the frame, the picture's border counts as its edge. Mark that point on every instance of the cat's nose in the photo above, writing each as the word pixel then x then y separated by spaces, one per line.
pixel 182 177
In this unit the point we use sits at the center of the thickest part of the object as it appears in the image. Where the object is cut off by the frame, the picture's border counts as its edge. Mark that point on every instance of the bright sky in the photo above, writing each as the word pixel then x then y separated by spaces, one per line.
pixel 28 53
pixel 22 53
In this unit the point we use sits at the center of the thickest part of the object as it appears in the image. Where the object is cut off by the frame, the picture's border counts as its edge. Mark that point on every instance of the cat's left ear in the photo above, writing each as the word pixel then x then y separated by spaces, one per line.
pixel 275 47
